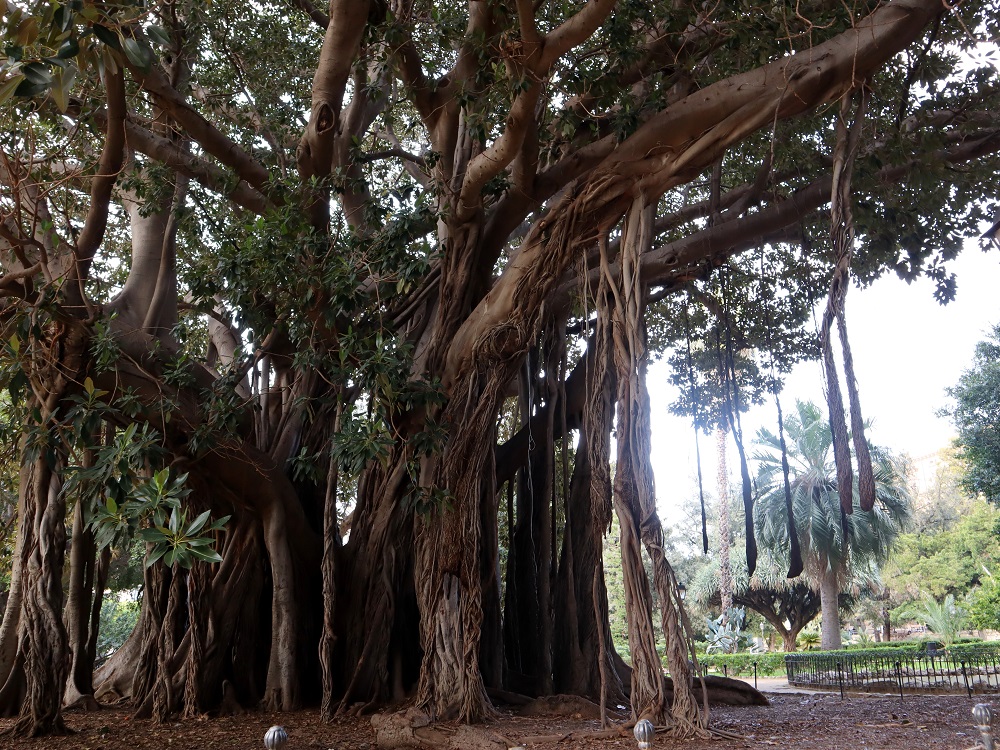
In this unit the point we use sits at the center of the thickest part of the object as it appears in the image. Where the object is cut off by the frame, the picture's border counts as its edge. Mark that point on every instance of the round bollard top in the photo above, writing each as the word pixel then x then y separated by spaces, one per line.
pixel 275 738
pixel 983 714
pixel 644 732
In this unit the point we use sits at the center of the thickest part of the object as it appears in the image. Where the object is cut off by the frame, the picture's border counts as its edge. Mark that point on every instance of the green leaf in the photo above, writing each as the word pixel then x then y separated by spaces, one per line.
pixel 7 90
pixel 155 555
pixel 158 34
pixel 207 555
pixel 27 89
pixel 15 342
pixel 153 535
pixel 107 36
pixel 38 74
pixel 69 48
pixel 198 523
pixel 88 385
pixel 219 524
pixel 138 54
pixel 27 32
pixel 63 18
pixel 60 95
pixel 111 505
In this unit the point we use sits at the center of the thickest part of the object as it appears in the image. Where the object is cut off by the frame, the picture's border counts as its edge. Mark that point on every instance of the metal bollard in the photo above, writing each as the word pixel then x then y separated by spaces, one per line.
pixel 275 738
pixel 644 732
pixel 984 715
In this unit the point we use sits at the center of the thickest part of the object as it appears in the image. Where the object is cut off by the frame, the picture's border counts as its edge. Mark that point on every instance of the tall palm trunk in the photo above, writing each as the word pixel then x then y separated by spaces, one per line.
pixel 829 591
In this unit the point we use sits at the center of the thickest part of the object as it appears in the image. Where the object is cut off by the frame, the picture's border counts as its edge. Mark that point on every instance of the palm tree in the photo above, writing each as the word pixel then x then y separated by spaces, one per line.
pixel 829 558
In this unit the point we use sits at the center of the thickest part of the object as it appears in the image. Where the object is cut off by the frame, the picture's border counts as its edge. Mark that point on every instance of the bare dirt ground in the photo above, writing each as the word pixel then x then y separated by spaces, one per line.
pixel 816 721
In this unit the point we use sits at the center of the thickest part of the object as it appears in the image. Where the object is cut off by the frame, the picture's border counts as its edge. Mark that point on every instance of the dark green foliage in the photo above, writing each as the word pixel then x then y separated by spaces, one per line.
pixel 984 606
pixel 951 561
pixel 977 418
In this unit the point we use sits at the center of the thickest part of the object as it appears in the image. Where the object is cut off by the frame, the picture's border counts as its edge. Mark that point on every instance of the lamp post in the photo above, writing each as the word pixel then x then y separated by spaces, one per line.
pixel 682 590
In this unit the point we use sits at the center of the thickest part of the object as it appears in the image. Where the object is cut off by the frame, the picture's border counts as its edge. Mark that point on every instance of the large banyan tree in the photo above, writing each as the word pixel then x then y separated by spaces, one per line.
pixel 336 309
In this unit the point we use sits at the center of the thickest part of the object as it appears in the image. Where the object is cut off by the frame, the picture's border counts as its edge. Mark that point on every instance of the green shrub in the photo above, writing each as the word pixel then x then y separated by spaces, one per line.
pixel 770 663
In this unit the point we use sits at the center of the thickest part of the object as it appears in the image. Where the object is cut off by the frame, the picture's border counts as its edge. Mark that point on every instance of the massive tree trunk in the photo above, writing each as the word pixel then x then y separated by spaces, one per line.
pixel 583 643
pixel 88 570
pixel 36 680
pixel 43 648
pixel 447 570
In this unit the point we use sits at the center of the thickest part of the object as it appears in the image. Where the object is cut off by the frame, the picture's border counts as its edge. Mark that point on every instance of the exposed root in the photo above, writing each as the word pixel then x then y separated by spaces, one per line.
pixel 413 728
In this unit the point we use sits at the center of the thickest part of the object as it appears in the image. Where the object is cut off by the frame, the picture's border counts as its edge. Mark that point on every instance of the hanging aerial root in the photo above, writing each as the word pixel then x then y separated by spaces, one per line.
pixel 795 566
pixel 842 239
pixel 634 497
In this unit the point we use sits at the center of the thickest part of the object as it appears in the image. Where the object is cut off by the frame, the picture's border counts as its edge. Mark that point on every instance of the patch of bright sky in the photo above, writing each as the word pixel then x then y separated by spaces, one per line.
pixel 907 350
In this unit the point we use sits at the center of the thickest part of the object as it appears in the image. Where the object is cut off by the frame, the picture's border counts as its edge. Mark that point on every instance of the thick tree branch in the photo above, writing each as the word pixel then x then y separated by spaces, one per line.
pixel 411 72
pixel 667 262
pixel 110 164
pixel 212 177
pixel 526 22
pixel 670 149
pixel 201 130
pixel 573 31
pixel 319 17
pixel 502 151
pixel 348 19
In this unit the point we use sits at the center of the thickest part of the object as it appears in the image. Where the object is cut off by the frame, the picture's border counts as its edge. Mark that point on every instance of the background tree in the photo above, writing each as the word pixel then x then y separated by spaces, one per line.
pixel 834 545
pixel 787 604
pixel 984 606
pixel 976 414
pixel 950 561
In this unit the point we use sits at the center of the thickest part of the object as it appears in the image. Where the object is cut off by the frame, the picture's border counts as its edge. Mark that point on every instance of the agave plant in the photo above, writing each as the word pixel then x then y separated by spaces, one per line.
pixel 725 633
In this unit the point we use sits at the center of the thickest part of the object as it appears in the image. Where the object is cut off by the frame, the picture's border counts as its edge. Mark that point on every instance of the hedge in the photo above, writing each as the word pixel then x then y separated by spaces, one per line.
pixel 768 663
pixel 772 663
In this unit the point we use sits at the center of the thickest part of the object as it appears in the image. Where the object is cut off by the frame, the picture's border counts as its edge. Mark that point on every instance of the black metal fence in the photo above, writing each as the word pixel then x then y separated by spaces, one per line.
pixel 965 670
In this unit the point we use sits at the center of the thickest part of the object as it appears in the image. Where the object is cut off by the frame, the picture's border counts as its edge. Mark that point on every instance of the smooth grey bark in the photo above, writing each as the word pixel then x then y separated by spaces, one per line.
pixel 829 592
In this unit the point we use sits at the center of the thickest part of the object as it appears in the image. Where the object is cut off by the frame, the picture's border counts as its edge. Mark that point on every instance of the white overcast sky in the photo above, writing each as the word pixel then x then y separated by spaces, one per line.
pixel 907 350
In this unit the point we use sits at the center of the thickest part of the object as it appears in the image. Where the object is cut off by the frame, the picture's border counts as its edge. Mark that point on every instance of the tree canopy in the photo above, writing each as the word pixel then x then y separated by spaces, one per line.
pixel 976 414
pixel 376 280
